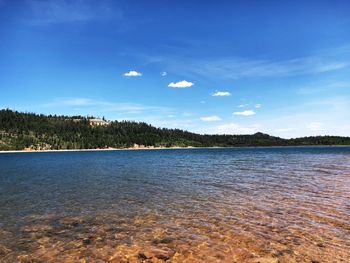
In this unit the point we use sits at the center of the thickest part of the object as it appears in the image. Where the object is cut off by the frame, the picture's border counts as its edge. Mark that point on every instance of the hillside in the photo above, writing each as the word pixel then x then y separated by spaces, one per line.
pixel 19 131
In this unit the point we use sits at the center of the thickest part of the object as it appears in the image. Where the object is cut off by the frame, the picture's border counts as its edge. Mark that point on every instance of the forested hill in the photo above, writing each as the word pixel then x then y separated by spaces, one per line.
pixel 19 131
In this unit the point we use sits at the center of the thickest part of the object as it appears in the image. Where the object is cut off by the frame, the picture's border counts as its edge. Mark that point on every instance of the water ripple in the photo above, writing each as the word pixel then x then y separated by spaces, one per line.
pixel 200 205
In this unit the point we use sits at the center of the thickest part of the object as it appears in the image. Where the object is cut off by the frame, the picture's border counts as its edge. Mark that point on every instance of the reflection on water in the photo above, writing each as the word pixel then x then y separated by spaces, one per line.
pixel 264 205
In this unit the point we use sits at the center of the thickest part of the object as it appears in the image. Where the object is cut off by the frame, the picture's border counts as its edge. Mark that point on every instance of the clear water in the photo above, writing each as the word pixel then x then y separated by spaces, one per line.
pixel 186 205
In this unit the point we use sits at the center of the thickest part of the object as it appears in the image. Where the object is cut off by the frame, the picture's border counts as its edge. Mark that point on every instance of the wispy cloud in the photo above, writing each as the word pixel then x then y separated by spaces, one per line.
pixel 187 114
pixel 132 73
pixel 72 102
pixel 90 106
pixel 236 68
pixel 211 118
pixel 231 128
pixel 64 11
pixel 163 74
pixel 241 67
pixel 279 130
pixel 258 106
pixel 244 113
pixel 338 104
pixel 323 87
pixel 221 94
pixel 181 84
pixel 314 126
pixel 175 124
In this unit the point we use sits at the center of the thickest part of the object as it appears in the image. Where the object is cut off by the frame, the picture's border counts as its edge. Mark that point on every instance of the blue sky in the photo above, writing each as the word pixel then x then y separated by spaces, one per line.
pixel 235 67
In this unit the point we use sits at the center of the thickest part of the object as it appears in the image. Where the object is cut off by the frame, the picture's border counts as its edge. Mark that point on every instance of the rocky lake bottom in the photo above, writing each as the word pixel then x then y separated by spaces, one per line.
pixel 264 205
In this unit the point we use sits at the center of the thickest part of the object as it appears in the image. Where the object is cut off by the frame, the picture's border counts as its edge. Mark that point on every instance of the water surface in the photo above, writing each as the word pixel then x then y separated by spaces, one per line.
pixel 186 205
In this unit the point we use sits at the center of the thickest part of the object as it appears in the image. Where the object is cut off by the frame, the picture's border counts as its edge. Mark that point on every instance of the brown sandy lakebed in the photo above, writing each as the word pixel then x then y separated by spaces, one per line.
pixel 207 205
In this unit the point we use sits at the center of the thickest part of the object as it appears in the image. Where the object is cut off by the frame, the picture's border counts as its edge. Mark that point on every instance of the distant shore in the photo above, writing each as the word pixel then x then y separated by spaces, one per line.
pixel 104 149
pixel 164 148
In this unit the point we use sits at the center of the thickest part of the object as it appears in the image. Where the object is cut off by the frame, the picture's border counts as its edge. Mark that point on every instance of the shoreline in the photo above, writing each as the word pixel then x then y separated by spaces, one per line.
pixel 102 150
pixel 165 148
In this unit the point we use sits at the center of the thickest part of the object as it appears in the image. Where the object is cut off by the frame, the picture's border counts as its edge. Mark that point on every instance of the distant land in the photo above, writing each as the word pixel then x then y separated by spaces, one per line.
pixel 30 131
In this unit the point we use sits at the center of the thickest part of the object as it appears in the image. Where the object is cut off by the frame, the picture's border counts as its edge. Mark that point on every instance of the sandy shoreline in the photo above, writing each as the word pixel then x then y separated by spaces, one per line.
pixel 100 150
pixel 163 148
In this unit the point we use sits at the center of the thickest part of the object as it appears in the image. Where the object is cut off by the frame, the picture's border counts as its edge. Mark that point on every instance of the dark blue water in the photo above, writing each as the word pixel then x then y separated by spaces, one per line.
pixel 214 204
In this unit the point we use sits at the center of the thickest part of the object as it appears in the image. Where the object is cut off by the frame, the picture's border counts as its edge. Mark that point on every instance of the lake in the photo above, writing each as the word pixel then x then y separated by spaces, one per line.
pixel 288 204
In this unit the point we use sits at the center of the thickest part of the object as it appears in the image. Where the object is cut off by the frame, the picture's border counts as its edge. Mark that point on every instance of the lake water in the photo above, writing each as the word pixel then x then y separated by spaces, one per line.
pixel 186 205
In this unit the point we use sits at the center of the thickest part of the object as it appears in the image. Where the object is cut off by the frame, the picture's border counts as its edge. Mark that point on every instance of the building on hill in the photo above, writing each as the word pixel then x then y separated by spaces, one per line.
pixel 98 122
pixel 77 120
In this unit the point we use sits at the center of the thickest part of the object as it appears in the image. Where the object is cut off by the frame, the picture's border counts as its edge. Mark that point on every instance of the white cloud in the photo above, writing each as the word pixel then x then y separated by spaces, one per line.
pixel 258 106
pixel 181 84
pixel 211 118
pixel 242 105
pixel 171 116
pixel 314 126
pixel 132 73
pixel 163 74
pixel 221 94
pixel 244 113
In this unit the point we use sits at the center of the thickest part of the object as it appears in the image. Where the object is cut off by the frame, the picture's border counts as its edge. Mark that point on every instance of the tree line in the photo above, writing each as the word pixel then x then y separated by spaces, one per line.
pixel 20 130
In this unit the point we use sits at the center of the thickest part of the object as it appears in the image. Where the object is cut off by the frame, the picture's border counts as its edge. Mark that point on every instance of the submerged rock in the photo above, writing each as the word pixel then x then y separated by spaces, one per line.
pixel 87 241
pixel 163 254
pixel 165 240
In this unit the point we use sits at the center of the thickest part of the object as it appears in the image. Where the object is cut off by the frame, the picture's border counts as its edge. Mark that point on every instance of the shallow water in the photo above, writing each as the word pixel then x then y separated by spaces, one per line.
pixel 187 205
